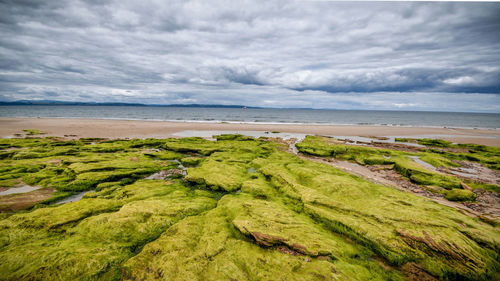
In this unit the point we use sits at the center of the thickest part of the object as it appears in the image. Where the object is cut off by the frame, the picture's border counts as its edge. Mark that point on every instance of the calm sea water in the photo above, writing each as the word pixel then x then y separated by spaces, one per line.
pixel 294 116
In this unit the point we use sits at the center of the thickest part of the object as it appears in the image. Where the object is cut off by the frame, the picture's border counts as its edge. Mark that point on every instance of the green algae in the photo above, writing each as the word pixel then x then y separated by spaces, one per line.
pixel 78 166
pixel 191 161
pixel 227 170
pixel 420 175
pixel 485 186
pixel 92 237
pixel 486 155
pixel 210 247
pixel 428 142
pixel 401 161
pixel 259 188
pixel 460 195
pixel 245 211
pixel 217 175
pixel 438 161
pixel 163 155
pixel 389 222
pixel 192 145
pixel 233 137
pixel 44 152
pixel 33 132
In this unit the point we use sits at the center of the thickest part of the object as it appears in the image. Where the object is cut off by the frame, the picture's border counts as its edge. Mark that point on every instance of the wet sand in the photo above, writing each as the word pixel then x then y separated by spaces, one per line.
pixel 79 128
pixel 22 201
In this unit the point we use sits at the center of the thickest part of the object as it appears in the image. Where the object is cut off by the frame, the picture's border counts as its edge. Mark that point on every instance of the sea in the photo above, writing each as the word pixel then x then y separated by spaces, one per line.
pixel 260 115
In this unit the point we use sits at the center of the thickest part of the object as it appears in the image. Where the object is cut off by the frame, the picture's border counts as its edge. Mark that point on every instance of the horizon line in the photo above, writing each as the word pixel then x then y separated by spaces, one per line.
pixel 200 105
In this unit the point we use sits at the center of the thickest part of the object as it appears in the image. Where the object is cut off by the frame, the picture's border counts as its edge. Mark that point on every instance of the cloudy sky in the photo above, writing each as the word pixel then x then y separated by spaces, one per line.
pixel 319 54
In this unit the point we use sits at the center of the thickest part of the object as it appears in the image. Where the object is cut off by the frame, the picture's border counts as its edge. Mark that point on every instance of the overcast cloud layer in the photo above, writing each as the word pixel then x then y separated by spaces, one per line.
pixel 345 55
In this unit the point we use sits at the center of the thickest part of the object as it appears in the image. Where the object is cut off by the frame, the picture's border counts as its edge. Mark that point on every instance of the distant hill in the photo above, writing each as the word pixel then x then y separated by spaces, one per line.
pixel 52 102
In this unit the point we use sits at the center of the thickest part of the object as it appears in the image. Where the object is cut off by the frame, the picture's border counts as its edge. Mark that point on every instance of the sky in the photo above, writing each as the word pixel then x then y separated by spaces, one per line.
pixel 439 56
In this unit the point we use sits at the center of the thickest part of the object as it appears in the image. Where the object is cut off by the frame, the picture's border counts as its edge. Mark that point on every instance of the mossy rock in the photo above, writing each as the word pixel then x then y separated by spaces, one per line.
pixel 247 211
pixel 403 164
pixel 191 161
pixel 218 175
pixel 460 195
pixel 33 132
pixel 434 142
pixel 233 137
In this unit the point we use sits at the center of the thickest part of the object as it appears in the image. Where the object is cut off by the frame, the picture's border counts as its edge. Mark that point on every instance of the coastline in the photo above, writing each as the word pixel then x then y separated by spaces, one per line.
pixel 213 121
pixel 120 128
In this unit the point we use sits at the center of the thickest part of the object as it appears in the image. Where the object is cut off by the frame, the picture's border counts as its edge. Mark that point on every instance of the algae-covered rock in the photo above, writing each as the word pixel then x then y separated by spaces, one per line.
pixel 398 226
pixel 218 175
pixel 460 195
pixel 246 210
pixel 99 234
pixel 190 161
pixel 259 188
pixel 207 247
pixel 33 132
pixel 233 137
pixel 402 162
pixel 272 224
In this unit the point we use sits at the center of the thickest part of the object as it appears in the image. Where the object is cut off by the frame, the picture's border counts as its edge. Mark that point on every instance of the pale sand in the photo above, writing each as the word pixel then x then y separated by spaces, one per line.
pixel 159 129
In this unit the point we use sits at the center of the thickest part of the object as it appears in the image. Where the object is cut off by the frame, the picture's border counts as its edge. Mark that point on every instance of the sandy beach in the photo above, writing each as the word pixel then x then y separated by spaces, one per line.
pixel 79 128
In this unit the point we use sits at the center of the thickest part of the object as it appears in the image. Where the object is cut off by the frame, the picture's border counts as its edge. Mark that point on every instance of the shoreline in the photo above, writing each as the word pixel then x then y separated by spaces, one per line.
pixel 261 123
pixel 124 128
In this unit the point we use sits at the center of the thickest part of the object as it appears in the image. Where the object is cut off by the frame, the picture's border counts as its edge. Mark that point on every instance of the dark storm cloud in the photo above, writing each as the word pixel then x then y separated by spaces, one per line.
pixel 282 53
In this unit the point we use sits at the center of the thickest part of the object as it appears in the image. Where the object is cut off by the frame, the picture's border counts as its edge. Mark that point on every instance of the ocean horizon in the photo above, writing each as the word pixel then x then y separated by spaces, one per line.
pixel 260 115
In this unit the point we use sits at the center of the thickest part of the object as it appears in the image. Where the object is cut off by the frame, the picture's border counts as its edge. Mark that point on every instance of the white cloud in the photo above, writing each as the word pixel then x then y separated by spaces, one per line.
pixel 463 80
pixel 304 54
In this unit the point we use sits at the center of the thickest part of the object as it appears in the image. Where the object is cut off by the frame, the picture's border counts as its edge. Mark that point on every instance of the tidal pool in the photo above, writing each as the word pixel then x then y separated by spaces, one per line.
pixel 254 134
pixel 22 189
pixel 423 163
pixel 73 198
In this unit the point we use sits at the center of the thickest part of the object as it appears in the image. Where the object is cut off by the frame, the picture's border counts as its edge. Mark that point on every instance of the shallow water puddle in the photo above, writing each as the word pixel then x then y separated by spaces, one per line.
pixel 163 174
pixel 22 189
pixel 251 170
pixel 254 134
pixel 465 172
pixel 73 198
pixel 423 163
pixel 180 166
pixel 157 176
pixel 476 171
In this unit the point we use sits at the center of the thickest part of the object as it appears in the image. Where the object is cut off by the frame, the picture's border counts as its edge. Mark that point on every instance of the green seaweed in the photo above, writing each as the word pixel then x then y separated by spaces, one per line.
pixel 100 234
pixel 398 226
pixel 420 175
pixel 460 195
pixel 33 132
pixel 400 160
pixel 486 155
pixel 246 210
pixel 190 161
pixel 212 247
pixel 218 175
